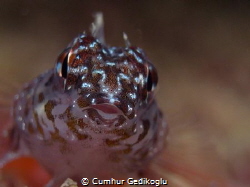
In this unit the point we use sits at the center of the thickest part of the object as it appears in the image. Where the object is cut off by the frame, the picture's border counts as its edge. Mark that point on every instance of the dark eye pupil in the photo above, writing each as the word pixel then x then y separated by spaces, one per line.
pixel 149 82
pixel 152 78
pixel 65 67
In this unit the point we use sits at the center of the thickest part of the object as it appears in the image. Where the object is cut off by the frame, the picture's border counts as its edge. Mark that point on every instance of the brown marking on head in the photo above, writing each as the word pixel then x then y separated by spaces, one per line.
pixel 40 97
pixel 72 122
pixel 112 143
pixel 71 79
pixel 48 110
pixel 81 124
pixel 72 127
pixel 121 133
pixel 111 79
pixel 55 137
pixel 82 102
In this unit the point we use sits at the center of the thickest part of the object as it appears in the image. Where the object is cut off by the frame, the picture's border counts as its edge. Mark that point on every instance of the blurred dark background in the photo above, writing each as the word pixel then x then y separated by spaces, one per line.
pixel 200 48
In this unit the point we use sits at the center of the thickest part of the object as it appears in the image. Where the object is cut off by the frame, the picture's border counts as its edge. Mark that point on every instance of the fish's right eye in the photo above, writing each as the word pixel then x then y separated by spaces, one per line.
pixel 64 69
pixel 62 64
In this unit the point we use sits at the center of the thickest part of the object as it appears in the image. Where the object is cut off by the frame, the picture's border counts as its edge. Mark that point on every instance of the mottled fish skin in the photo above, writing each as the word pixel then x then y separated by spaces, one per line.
pixel 93 115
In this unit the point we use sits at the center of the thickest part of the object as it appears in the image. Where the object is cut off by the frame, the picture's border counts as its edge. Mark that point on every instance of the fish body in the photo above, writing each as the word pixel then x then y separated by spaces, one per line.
pixel 93 115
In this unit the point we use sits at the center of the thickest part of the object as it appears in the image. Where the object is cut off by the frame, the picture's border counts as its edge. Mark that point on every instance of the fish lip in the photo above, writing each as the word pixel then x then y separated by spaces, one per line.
pixel 107 108
pixel 107 113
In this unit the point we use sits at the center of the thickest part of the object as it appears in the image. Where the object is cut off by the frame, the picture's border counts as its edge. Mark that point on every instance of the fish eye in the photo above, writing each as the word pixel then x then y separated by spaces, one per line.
pixel 152 79
pixel 64 70
pixel 62 64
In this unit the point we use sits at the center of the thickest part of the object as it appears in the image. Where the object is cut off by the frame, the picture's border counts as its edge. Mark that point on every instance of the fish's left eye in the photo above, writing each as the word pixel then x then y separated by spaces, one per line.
pixel 152 78
pixel 62 64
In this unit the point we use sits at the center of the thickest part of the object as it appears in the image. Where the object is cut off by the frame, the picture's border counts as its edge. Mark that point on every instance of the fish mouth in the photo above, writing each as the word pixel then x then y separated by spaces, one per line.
pixel 106 108
pixel 107 114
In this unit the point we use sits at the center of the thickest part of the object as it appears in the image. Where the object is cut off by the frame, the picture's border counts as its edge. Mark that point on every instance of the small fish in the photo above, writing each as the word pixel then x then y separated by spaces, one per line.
pixel 93 115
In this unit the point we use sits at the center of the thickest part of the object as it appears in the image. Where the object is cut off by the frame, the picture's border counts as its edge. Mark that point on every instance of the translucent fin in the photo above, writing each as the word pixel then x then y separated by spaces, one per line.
pixel 126 40
pixel 97 28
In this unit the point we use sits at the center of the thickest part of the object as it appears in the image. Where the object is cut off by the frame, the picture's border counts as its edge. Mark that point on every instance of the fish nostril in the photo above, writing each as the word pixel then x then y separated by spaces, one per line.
pixel 107 108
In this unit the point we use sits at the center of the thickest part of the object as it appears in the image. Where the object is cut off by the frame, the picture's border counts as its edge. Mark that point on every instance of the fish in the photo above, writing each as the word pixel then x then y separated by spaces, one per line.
pixel 95 108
